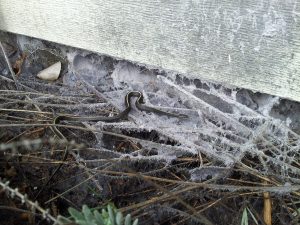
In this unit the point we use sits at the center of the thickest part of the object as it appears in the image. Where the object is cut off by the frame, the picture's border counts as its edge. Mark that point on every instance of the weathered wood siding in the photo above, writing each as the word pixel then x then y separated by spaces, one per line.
pixel 253 44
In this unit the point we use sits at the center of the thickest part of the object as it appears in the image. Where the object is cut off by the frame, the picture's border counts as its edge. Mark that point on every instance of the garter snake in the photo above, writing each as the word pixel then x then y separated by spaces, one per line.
pixel 139 103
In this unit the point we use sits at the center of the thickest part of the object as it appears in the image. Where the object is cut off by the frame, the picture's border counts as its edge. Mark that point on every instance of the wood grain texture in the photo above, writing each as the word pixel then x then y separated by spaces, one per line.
pixel 253 44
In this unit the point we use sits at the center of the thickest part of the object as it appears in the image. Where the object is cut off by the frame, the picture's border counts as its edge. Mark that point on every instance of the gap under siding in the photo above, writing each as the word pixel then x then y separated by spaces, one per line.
pixel 254 44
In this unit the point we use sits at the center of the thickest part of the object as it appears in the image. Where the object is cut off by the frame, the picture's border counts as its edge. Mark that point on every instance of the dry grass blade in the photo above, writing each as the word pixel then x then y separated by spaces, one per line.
pixel 9 66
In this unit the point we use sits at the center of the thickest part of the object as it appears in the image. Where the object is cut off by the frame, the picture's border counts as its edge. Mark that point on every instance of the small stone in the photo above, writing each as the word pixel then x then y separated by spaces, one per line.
pixel 51 73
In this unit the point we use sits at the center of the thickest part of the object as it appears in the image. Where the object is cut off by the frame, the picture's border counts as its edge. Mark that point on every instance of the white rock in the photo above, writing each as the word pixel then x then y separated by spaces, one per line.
pixel 51 73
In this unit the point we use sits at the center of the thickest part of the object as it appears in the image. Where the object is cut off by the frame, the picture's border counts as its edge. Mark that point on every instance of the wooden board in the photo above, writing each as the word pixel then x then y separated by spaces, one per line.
pixel 253 44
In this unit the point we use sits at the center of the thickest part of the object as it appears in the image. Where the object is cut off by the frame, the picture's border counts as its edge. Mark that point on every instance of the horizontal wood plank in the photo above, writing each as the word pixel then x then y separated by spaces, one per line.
pixel 253 44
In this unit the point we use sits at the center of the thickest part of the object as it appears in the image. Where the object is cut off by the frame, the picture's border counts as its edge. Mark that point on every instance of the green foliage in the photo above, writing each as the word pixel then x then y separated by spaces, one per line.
pixel 108 216
pixel 245 216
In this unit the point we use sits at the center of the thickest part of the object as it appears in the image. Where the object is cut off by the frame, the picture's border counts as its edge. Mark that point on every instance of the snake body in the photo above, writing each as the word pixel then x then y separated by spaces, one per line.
pixel 123 115
pixel 139 103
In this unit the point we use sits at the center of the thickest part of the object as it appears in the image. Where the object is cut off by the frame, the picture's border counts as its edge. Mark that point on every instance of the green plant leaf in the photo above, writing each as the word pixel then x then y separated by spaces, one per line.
pixel 88 214
pixel 111 215
pixel 76 214
pixel 135 222
pixel 104 214
pixel 63 220
pixel 128 219
pixel 99 218
pixel 83 222
pixel 119 218
pixel 244 217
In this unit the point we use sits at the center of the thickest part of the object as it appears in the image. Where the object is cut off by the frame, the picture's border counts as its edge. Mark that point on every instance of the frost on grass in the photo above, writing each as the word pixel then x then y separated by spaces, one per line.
pixel 218 126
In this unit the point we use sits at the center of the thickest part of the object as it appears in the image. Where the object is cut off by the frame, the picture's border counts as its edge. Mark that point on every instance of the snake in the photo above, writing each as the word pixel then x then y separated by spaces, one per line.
pixel 139 103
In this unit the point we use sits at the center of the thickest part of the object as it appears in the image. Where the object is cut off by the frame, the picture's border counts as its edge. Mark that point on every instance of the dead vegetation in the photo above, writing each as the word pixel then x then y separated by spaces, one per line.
pixel 257 173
